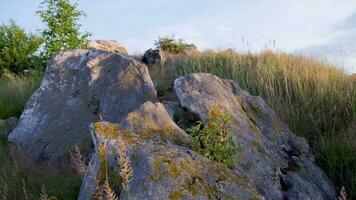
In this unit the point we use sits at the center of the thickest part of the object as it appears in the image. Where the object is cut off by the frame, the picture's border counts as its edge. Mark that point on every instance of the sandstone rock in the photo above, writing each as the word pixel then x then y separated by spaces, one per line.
pixel 7 125
pixel 107 45
pixel 278 163
pixel 77 86
pixel 152 57
pixel 161 167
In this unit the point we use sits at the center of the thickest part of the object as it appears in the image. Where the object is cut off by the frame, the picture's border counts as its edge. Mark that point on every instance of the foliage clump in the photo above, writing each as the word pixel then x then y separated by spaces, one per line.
pixel 18 48
pixel 214 138
pixel 62 30
pixel 172 45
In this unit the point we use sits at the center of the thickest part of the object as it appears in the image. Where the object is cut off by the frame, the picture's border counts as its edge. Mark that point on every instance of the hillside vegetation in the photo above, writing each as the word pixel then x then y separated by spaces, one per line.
pixel 316 100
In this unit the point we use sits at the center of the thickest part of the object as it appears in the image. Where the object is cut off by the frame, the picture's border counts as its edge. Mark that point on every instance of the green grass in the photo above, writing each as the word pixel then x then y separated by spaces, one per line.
pixel 14 93
pixel 316 100
pixel 17 183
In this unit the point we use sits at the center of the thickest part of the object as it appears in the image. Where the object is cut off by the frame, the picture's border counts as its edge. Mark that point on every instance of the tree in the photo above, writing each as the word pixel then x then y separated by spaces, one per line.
pixel 17 48
pixel 62 30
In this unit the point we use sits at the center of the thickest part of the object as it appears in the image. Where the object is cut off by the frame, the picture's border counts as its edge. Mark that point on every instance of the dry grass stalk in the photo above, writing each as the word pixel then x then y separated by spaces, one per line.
pixel 3 189
pixel 126 171
pixel 78 164
pixel 104 192
pixel 342 194
pixel 43 195
pixel 24 190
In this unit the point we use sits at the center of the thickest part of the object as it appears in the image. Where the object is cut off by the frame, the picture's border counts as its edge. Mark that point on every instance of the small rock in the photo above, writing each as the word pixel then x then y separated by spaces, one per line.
pixel 6 126
pixel 152 57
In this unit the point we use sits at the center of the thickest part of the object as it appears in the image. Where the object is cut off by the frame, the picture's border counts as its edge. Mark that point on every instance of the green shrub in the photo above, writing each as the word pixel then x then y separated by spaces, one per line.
pixel 171 45
pixel 18 49
pixel 214 139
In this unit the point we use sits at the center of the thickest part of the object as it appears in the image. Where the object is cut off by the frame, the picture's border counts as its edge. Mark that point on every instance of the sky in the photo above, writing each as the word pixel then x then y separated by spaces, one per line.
pixel 321 28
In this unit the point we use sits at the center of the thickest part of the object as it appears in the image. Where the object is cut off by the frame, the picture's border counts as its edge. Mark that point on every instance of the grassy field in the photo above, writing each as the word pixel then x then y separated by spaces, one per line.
pixel 317 100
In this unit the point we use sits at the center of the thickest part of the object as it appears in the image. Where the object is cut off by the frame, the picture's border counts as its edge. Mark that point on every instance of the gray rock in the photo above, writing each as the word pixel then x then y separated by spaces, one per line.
pixel 107 45
pixel 162 168
pixel 171 107
pixel 7 125
pixel 278 163
pixel 77 86
pixel 152 57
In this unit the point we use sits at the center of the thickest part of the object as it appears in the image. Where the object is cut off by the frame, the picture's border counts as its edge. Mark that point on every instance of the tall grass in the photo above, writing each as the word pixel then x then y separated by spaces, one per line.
pixel 18 183
pixel 316 100
pixel 14 93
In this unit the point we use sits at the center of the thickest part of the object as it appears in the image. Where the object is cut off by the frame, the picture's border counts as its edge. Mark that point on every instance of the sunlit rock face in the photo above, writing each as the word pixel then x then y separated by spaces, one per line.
pixel 78 85
pixel 107 45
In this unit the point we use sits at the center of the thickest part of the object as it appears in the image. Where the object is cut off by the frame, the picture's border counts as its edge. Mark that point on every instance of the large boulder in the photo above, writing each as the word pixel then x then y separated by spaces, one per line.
pixel 78 87
pixel 278 163
pixel 146 153
pixel 7 125
pixel 107 45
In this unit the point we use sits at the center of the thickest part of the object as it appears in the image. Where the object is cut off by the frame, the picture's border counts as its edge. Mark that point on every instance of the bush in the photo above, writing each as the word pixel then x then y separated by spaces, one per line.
pixel 214 139
pixel 18 49
pixel 171 45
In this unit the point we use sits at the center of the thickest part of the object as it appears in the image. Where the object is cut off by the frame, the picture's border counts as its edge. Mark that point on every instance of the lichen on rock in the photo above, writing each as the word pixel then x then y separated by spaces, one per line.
pixel 163 167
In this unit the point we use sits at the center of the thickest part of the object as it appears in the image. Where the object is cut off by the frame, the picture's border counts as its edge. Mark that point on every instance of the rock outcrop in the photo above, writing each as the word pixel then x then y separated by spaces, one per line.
pixel 105 103
pixel 107 45
pixel 7 125
pixel 278 163
pixel 162 167
pixel 77 86
pixel 152 57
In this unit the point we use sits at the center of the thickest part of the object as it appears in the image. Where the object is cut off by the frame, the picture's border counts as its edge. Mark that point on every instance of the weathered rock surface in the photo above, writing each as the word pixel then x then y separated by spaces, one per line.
pixel 152 57
pixel 78 85
pixel 7 125
pixel 107 45
pixel 162 167
pixel 138 134
pixel 278 163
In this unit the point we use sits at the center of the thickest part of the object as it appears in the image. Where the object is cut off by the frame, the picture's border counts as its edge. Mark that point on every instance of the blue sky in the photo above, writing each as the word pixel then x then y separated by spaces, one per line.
pixel 321 28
